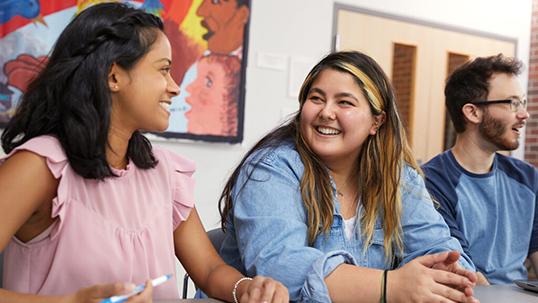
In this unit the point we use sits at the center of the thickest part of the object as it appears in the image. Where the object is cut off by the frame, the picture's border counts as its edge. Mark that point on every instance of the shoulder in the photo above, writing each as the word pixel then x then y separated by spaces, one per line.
pixel 437 163
pixel 411 177
pixel 409 173
pixel 442 168
pixel 283 157
pixel 519 170
pixel 47 148
pixel 180 169
pixel 285 153
pixel 173 161
pixel 35 165
pixel 515 164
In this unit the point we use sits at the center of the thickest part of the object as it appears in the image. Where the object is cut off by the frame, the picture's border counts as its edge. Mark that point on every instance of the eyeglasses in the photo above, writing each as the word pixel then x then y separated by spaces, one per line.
pixel 515 103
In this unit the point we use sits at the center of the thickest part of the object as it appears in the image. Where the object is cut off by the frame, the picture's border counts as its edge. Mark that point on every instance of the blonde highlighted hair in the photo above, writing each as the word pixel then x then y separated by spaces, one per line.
pixel 379 166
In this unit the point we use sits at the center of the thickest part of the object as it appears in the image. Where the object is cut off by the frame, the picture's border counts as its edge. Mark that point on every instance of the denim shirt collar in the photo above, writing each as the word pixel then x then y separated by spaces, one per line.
pixel 336 203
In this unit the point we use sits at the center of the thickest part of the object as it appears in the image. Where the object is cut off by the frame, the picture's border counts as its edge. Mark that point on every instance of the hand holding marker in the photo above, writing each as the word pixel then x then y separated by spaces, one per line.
pixel 140 288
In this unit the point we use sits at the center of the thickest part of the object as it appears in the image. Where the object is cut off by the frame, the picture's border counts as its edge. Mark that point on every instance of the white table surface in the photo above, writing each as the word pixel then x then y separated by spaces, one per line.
pixel 508 293
pixel 189 301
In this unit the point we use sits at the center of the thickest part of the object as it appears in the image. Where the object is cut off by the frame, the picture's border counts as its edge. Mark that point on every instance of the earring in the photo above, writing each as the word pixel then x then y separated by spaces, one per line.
pixel 376 123
pixel 115 87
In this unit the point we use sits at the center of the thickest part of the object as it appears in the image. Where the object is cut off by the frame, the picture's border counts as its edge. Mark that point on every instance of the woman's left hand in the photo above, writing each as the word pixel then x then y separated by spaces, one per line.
pixel 431 278
pixel 450 264
pixel 266 290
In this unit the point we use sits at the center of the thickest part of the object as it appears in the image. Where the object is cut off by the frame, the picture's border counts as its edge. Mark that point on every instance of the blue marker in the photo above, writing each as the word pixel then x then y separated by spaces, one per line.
pixel 140 288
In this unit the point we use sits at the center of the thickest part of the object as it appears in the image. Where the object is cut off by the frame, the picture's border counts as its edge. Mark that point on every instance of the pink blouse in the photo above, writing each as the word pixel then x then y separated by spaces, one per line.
pixel 117 230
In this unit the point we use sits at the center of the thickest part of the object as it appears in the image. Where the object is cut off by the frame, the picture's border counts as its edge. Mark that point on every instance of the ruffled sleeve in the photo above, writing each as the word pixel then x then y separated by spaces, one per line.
pixel 182 186
pixel 51 149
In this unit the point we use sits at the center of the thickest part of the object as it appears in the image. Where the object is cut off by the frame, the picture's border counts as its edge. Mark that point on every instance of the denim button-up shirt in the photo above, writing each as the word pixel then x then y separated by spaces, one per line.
pixel 268 233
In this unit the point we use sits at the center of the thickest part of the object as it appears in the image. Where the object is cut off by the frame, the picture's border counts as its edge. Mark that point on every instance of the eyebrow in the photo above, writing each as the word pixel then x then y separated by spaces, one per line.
pixel 516 97
pixel 316 90
pixel 164 59
pixel 348 95
pixel 339 95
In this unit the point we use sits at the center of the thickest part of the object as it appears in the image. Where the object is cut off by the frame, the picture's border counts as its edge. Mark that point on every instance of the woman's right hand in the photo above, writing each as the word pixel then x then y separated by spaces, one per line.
pixel 263 289
pixel 418 282
pixel 98 293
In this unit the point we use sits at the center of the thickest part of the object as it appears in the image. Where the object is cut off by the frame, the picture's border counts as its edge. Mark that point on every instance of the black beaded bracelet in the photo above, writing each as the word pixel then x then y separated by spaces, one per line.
pixel 385 286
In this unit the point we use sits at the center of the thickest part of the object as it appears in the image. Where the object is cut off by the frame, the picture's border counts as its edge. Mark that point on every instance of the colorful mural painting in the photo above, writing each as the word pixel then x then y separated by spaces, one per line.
pixel 208 39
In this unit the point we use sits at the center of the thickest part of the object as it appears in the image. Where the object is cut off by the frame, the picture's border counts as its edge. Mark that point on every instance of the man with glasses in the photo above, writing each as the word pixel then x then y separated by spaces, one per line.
pixel 488 200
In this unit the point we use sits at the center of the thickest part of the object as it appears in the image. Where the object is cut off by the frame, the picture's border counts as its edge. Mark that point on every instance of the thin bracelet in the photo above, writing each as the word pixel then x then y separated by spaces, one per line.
pixel 385 285
pixel 235 287
pixel 382 279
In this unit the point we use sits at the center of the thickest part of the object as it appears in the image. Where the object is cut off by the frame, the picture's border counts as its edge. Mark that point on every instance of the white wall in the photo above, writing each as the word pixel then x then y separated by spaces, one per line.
pixel 303 28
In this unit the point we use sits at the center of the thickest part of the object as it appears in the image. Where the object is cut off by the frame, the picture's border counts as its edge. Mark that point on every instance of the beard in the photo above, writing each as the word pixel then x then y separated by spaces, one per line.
pixel 494 130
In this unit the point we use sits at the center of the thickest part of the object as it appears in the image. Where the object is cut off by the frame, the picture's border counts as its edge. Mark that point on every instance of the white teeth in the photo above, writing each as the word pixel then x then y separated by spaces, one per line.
pixel 165 105
pixel 328 131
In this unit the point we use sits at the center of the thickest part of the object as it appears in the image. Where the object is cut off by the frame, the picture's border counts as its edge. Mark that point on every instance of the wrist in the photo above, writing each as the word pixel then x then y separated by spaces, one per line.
pixel 240 288
pixel 392 286
pixel 384 288
pixel 67 298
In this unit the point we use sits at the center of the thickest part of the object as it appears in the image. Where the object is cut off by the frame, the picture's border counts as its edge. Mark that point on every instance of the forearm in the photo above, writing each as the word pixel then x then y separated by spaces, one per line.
pixel 534 261
pixel 350 283
pixel 220 282
pixel 481 279
pixel 8 296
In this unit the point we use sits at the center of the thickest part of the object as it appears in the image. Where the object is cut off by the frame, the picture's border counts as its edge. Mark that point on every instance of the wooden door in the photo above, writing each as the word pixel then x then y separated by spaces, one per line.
pixel 384 37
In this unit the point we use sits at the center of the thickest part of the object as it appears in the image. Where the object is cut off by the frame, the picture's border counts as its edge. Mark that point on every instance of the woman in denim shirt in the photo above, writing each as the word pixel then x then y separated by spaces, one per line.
pixel 330 200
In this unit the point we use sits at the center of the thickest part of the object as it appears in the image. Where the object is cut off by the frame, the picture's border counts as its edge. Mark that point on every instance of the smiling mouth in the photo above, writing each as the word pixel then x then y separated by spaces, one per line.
pixel 518 128
pixel 327 131
pixel 165 105
pixel 517 131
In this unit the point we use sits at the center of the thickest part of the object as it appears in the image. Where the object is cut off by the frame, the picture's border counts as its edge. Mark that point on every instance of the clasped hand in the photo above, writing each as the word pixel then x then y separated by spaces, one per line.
pixel 432 278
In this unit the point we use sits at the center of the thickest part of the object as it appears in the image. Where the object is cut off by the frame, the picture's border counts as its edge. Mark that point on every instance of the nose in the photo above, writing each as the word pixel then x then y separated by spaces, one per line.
pixel 522 113
pixel 202 9
pixel 327 112
pixel 172 87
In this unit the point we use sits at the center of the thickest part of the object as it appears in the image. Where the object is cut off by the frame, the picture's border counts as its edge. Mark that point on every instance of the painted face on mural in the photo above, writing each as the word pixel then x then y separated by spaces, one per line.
pixel 211 112
pixel 225 24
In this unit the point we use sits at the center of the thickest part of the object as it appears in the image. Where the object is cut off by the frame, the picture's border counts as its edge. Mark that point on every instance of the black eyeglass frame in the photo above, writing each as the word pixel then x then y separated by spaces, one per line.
pixel 520 103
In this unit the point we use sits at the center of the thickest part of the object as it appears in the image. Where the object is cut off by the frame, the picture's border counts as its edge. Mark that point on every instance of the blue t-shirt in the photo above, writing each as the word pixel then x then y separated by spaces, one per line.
pixel 493 215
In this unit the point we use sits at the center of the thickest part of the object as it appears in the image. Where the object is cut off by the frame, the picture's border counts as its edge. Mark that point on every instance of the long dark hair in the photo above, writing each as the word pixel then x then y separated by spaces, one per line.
pixel 379 166
pixel 71 100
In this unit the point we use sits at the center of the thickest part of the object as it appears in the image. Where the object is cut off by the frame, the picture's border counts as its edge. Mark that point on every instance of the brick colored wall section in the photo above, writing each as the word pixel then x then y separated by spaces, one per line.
pixel 531 135
pixel 454 61
pixel 403 70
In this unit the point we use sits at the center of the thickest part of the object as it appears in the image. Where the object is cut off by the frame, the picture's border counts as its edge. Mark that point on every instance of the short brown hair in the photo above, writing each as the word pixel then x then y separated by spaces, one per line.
pixel 470 83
